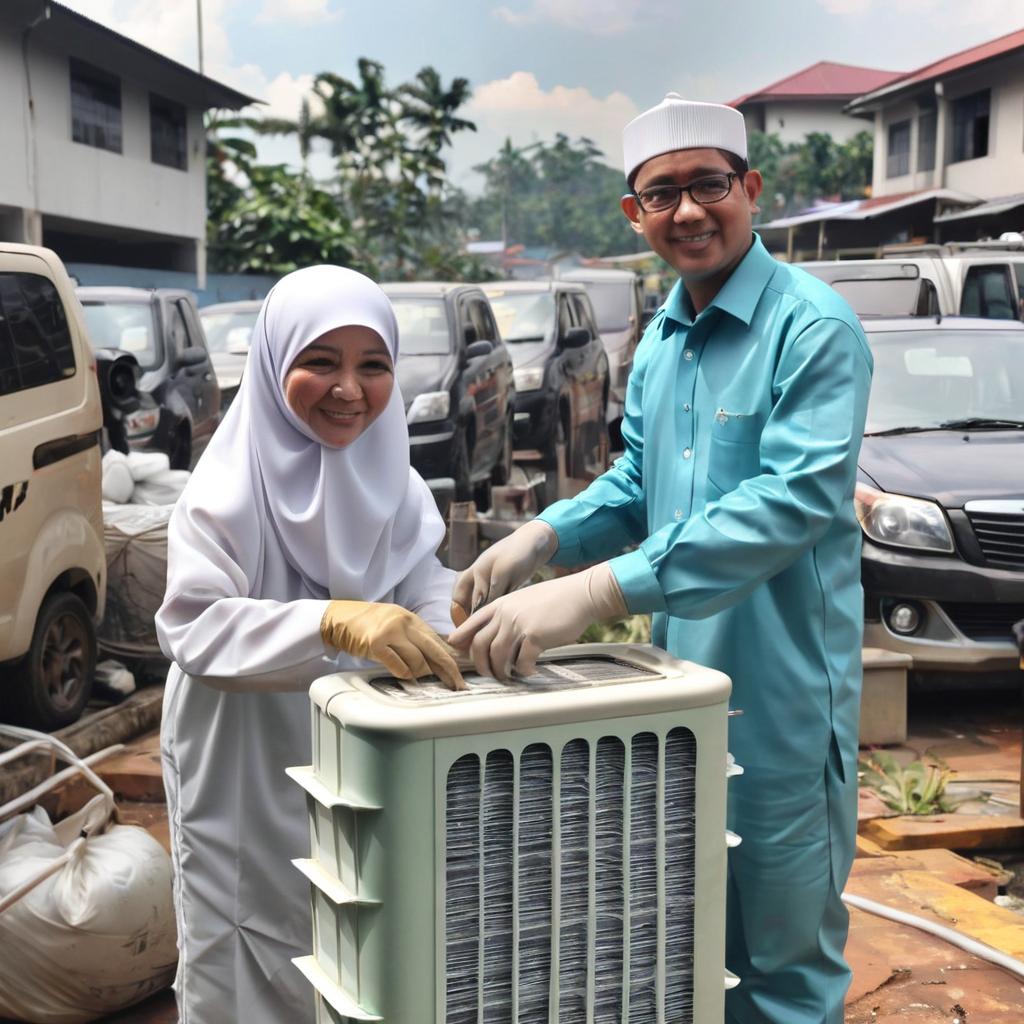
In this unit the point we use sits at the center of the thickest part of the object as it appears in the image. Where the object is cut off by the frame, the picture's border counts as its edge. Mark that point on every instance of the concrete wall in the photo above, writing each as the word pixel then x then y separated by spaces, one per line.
pixel 792 120
pixel 81 183
pixel 999 173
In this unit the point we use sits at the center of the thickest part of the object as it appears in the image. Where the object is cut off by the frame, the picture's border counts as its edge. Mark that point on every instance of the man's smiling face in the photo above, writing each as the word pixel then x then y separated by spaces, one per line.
pixel 703 243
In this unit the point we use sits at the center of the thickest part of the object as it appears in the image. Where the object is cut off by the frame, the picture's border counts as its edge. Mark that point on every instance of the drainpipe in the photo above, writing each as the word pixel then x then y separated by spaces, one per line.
pixel 32 221
pixel 941 130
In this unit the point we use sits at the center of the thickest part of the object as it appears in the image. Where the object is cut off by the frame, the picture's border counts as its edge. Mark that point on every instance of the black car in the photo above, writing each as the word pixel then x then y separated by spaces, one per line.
pixel 561 372
pixel 456 380
pixel 940 495
pixel 161 328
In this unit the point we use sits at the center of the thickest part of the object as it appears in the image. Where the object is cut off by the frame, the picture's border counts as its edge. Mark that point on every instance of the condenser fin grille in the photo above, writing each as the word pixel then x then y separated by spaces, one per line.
pixel 570 883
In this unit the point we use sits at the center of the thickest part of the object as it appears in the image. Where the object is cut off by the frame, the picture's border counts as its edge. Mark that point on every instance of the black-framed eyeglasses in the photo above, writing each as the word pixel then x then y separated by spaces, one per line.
pixel 659 198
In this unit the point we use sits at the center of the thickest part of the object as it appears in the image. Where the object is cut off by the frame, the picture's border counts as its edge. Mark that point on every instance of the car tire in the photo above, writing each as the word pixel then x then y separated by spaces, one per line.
pixel 460 466
pixel 502 472
pixel 180 453
pixel 54 680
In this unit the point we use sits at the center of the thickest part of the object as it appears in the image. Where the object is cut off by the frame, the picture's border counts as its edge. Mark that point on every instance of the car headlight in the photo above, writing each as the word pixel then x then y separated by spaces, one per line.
pixel 529 378
pixel 142 421
pixel 901 521
pixel 432 405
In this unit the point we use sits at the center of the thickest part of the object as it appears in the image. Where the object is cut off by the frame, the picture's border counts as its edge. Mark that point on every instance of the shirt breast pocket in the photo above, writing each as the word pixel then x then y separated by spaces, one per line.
pixel 734 454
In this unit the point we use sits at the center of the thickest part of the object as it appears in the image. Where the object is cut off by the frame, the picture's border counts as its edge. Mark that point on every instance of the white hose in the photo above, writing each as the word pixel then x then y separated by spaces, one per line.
pixel 973 946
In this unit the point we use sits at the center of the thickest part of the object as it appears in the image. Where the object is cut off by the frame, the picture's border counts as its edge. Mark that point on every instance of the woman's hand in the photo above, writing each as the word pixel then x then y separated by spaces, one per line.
pixel 391 635
pixel 504 566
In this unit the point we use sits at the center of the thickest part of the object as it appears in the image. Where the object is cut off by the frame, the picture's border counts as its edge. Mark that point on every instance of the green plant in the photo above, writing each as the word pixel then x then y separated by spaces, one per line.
pixel 633 630
pixel 916 788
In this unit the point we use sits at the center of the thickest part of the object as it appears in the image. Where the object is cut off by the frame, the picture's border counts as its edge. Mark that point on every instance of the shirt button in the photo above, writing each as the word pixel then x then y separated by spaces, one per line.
pixel 688 354
pixel 686 406
pixel 687 453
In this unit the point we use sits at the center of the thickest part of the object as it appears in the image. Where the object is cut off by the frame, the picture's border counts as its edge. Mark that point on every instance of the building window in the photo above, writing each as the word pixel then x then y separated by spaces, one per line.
pixel 168 136
pixel 926 141
pixel 899 150
pixel 970 126
pixel 95 107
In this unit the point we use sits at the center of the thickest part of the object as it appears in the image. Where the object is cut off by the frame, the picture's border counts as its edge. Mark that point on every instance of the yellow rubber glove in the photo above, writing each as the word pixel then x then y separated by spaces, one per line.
pixel 393 636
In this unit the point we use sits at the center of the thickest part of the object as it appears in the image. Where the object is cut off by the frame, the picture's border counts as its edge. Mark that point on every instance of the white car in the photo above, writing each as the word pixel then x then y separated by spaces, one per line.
pixel 228 327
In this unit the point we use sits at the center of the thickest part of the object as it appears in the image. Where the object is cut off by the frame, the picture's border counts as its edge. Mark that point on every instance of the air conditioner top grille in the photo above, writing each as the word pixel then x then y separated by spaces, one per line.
pixel 579 683
pixel 550 677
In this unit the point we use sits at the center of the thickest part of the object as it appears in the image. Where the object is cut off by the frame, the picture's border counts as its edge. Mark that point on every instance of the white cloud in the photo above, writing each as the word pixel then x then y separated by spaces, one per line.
pixel 301 12
pixel 602 17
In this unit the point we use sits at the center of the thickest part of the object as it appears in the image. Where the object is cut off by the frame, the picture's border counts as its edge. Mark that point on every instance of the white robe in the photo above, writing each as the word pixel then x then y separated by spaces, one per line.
pixel 272 523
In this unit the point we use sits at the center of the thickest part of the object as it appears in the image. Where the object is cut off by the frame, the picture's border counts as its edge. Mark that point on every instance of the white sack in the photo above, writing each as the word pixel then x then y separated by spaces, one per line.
pixel 147 464
pixel 118 482
pixel 163 488
pixel 94 937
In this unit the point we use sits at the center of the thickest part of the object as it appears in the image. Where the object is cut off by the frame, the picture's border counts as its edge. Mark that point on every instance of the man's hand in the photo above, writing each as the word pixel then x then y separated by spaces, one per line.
pixel 391 635
pixel 507 636
pixel 505 565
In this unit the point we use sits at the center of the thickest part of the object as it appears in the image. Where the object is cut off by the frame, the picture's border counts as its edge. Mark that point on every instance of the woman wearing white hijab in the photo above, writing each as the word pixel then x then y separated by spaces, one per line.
pixel 302 543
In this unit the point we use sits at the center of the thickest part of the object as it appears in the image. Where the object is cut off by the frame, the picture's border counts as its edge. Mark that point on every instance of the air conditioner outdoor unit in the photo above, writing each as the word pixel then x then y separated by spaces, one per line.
pixel 546 851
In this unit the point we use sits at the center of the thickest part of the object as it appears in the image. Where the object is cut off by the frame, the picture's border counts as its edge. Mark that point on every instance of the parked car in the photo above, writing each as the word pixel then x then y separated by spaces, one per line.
pixel 457 383
pixel 618 301
pixel 52 559
pixel 561 373
pixel 940 494
pixel 979 280
pixel 228 327
pixel 161 328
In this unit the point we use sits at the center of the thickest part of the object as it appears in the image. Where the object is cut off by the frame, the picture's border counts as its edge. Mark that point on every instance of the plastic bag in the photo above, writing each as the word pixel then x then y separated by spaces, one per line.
pixel 86 916
pixel 118 482
pixel 163 488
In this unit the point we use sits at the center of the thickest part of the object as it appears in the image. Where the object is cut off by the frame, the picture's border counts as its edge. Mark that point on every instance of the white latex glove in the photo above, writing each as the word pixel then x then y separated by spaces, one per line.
pixel 507 635
pixel 505 565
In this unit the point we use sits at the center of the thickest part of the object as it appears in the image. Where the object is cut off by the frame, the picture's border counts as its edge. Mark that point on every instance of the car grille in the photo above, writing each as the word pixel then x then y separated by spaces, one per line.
pixel 1001 538
pixel 984 621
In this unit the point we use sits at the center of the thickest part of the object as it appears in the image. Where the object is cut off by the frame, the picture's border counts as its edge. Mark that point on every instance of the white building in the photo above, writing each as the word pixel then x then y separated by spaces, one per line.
pixel 957 124
pixel 812 100
pixel 104 154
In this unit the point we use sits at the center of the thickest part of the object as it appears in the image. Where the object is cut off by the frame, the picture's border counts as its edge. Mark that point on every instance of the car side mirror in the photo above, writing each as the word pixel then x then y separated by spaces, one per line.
pixel 479 349
pixel 470 334
pixel 192 357
pixel 577 337
pixel 646 317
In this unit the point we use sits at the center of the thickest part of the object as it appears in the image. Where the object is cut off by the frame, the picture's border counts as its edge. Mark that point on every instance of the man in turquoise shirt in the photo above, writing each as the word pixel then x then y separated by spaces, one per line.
pixel 743 420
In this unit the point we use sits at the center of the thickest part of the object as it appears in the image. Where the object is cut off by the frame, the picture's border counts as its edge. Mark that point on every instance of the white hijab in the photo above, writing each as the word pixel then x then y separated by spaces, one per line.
pixel 352 522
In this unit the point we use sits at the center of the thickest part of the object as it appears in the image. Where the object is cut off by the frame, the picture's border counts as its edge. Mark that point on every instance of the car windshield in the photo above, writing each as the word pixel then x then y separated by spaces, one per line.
pixel 523 316
pixel 128 326
pixel 229 331
pixel 612 303
pixel 422 326
pixel 931 379
pixel 881 297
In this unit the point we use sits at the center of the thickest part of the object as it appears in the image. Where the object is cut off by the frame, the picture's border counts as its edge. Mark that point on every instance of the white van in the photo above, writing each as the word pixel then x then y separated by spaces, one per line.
pixel 52 561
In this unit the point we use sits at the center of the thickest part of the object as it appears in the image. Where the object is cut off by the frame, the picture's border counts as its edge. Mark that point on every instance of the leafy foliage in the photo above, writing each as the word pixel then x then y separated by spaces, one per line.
pixel 914 789
pixel 797 175
pixel 636 629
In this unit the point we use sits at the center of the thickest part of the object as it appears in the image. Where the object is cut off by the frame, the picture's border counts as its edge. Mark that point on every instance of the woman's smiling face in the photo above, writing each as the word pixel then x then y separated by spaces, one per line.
pixel 340 383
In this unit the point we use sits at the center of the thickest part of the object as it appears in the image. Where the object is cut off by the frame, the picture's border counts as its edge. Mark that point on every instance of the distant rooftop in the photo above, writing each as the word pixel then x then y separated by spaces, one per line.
pixel 822 81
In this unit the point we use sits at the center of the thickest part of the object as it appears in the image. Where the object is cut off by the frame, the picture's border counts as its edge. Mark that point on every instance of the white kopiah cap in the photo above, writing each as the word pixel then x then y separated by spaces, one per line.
pixel 676 123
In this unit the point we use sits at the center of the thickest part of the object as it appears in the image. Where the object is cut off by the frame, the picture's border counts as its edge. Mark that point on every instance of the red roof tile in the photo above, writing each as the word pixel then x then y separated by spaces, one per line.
pixel 824 80
pixel 964 58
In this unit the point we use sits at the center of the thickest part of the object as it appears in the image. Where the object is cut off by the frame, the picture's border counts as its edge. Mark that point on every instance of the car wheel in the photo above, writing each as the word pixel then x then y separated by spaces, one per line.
pixel 180 454
pixel 460 466
pixel 502 472
pixel 54 679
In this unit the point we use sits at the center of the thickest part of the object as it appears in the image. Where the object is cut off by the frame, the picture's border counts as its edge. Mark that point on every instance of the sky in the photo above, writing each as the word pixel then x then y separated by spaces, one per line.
pixel 583 67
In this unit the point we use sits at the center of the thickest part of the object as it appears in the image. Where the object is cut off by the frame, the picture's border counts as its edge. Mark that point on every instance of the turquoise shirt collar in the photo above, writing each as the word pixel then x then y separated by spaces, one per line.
pixel 739 295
